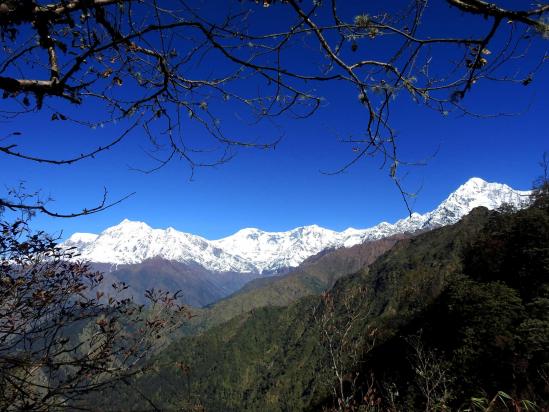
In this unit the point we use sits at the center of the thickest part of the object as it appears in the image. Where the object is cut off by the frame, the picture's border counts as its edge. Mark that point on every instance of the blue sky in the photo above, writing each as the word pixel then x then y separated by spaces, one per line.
pixel 284 188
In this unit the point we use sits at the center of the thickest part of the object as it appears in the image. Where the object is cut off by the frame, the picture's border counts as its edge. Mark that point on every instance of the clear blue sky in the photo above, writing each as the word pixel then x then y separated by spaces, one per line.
pixel 281 189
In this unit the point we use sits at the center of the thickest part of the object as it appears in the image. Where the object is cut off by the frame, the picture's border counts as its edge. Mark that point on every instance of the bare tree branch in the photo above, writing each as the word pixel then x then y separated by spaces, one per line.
pixel 139 59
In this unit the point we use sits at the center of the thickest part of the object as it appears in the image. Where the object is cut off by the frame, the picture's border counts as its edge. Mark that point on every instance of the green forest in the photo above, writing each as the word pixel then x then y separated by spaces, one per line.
pixel 453 319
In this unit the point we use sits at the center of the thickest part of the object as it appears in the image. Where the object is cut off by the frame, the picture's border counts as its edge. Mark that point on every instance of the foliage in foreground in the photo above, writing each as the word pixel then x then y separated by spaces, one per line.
pixel 61 337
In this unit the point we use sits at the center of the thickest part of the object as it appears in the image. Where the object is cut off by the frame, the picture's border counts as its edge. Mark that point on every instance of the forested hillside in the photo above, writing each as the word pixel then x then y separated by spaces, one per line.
pixel 445 320
pixel 312 277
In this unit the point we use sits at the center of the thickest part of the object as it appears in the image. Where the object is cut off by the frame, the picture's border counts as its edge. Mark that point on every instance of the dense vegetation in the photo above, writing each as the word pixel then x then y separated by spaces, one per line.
pixel 444 321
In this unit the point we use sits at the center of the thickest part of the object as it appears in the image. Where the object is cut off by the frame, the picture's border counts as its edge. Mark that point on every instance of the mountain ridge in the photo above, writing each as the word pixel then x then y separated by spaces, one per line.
pixel 252 250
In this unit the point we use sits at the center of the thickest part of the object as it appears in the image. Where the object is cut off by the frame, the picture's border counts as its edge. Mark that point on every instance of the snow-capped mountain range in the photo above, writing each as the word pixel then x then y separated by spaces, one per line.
pixel 256 251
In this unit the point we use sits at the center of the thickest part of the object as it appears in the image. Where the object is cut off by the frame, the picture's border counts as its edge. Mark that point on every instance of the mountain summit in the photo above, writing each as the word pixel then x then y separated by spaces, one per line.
pixel 253 250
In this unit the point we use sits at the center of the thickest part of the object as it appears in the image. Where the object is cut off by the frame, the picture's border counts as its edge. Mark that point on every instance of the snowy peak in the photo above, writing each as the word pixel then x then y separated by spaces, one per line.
pixel 258 251
pixel 271 251
pixel 80 240
pixel 128 226
pixel 133 242
pixel 475 193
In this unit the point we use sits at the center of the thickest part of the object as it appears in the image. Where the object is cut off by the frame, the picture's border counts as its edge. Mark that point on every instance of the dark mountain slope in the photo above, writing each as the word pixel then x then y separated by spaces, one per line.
pixel 199 286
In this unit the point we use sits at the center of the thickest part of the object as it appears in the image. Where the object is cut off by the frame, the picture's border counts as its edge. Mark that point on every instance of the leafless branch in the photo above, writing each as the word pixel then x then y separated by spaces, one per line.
pixel 139 59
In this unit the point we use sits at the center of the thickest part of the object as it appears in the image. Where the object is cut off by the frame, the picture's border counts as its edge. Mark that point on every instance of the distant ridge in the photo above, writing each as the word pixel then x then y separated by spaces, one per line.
pixel 253 250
